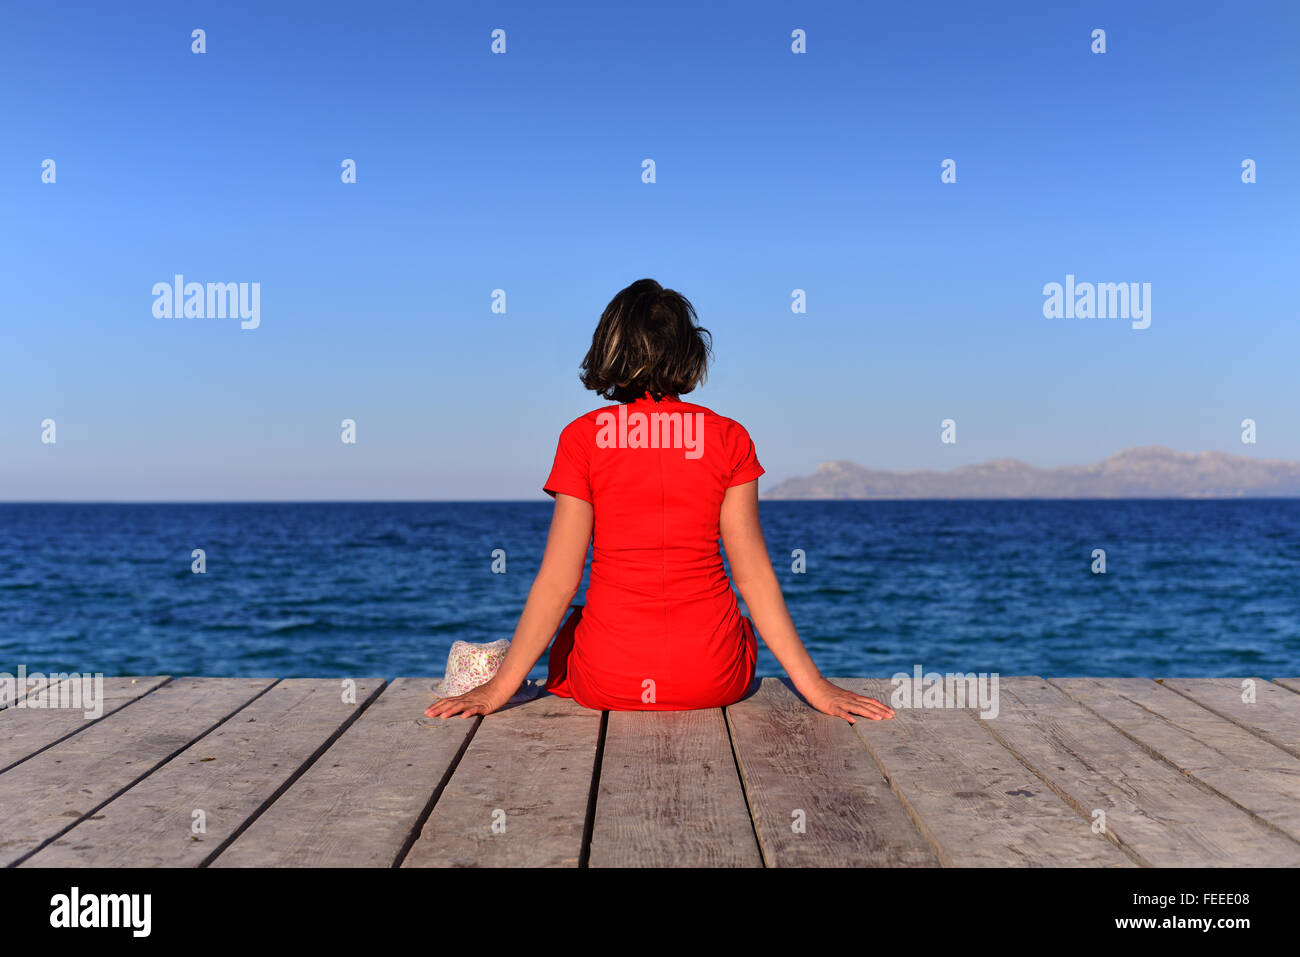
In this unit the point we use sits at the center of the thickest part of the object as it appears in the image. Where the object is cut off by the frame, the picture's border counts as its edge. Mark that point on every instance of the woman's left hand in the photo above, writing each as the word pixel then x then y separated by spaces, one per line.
pixel 482 700
pixel 840 702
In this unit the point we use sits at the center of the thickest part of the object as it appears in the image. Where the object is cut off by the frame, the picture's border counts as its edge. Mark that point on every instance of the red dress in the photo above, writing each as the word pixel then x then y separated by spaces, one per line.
pixel 661 630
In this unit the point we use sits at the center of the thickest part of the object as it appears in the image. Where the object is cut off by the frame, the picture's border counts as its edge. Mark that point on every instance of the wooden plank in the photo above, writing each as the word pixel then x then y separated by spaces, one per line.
pixel 816 796
pixel 361 802
pixel 1247 770
pixel 976 804
pixel 1290 684
pixel 228 775
pixel 669 794
pixel 49 793
pixel 519 795
pixel 24 730
pixel 1274 715
pixel 1160 816
pixel 11 693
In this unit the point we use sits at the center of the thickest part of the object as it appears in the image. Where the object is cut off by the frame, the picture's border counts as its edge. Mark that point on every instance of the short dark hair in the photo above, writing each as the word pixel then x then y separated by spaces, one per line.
pixel 648 340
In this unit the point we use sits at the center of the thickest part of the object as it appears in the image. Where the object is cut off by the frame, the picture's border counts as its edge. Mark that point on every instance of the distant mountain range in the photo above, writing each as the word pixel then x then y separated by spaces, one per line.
pixel 1148 472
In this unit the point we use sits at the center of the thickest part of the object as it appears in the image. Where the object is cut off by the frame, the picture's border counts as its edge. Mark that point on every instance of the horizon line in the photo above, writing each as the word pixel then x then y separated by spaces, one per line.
pixel 520 501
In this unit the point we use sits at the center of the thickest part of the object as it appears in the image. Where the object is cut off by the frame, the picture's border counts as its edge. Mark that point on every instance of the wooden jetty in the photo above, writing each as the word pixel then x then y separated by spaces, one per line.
pixel 259 772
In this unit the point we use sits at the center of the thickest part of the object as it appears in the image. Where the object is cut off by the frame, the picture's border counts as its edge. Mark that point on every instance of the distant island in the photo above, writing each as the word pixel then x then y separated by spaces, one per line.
pixel 1148 472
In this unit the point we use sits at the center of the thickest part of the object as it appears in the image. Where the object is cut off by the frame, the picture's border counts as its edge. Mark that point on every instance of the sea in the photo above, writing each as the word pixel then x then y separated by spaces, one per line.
pixel 1189 588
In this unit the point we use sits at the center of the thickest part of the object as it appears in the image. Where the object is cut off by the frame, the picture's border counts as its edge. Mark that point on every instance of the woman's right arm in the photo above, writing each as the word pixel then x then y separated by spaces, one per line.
pixel 752 573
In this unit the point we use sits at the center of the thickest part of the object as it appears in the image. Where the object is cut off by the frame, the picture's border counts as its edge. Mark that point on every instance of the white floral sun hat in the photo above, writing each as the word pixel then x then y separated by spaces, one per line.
pixel 470 664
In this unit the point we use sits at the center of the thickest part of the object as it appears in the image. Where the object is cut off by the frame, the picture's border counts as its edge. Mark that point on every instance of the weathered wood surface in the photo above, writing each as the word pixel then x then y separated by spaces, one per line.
pixel 669 794
pixel 10 692
pixel 27 730
pixel 47 794
pixel 360 803
pixel 816 796
pixel 181 814
pixel 519 797
pixel 1158 815
pixel 289 773
pixel 972 799
pixel 1257 705
pixel 1242 767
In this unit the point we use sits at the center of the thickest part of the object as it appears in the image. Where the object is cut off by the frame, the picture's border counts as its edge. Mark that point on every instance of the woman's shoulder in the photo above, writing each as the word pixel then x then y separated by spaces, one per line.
pixel 727 424
pixel 588 420
pixel 583 428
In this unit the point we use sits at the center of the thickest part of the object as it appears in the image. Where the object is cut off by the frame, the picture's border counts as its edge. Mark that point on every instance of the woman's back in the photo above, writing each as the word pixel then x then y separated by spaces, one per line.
pixel 661 629
pixel 654 484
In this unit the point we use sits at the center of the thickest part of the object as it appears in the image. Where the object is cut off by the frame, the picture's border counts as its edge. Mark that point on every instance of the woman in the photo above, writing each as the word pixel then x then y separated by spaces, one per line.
pixel 652 483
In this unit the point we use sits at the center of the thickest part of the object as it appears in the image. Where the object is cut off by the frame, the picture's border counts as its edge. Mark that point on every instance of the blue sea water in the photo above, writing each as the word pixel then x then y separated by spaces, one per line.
pixel 343 589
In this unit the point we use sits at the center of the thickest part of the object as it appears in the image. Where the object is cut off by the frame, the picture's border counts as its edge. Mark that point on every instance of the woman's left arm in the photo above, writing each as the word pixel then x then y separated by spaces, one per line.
pixel 552 593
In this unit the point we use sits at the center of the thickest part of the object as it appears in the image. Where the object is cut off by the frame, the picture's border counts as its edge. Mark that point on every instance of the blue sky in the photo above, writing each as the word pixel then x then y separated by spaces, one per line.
pixel 522 172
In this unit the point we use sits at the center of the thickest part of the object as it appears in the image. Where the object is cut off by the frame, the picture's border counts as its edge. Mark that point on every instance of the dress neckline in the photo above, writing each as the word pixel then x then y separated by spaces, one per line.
pixel 647 397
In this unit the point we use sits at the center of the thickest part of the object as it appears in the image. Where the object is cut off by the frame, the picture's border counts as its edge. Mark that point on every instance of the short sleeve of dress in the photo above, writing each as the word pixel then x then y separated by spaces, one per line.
pixel 741 455
pixel 571 473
